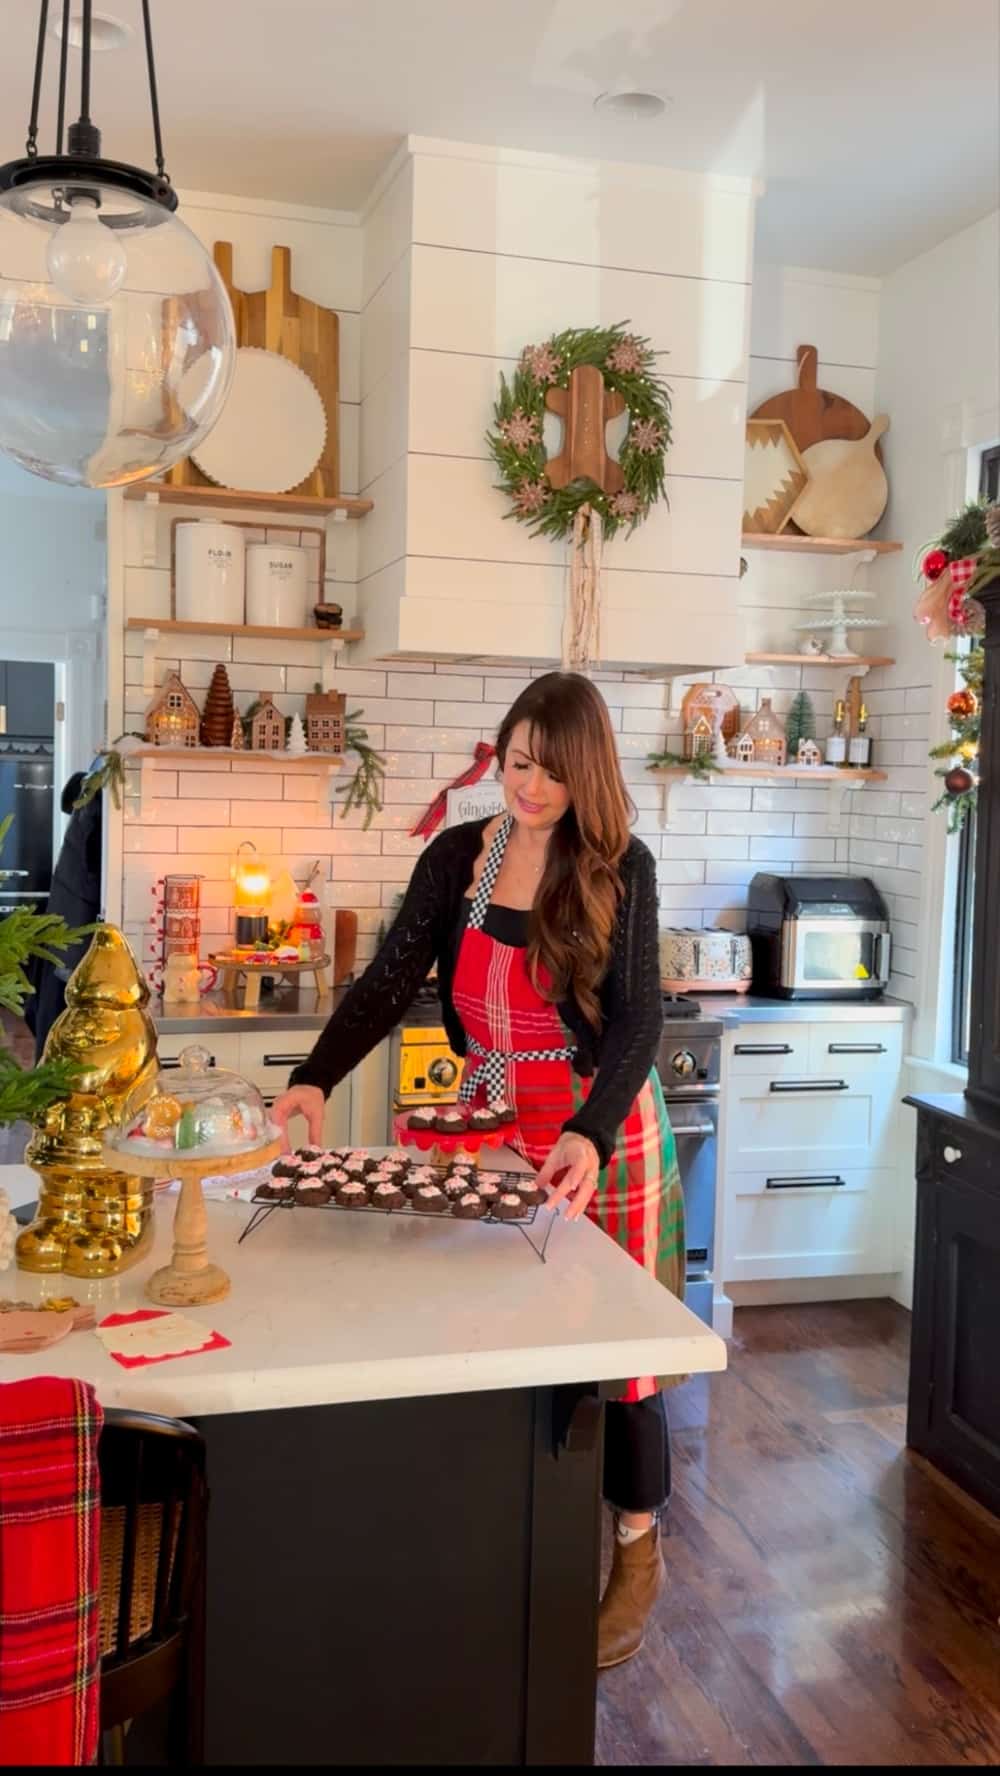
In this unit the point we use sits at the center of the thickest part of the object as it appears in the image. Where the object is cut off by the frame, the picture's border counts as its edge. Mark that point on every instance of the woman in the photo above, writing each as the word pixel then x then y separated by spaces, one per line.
pixel 543 926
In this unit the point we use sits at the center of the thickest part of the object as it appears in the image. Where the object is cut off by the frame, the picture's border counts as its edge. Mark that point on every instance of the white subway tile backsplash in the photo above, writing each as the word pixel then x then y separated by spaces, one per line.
pixel 789 851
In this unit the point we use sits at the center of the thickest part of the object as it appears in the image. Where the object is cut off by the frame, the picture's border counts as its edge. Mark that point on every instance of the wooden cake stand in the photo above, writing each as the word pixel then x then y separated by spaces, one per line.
pixel 190 1280
pixel 230 967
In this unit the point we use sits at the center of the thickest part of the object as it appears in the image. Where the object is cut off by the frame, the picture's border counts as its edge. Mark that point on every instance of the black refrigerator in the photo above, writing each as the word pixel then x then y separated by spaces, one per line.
pixel 26 792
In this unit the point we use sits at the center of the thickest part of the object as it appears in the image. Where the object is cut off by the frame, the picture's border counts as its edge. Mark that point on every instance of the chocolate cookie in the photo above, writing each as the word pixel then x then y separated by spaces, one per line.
pixel 488 1190
pixel 422 1119
pixel 509 1206
pixel 529 1192
pixel 352 1195
pixel 450 1122
pixel 484 1121
pixel 456 1185
pixel 285 1168
pixel 312 1193
pixel 309 1154
pixel 430 1199
pixel 469 1206
pixel 387 1195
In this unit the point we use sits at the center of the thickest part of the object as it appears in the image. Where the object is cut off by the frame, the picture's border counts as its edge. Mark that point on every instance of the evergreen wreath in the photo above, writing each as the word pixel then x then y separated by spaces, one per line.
pixel 626 363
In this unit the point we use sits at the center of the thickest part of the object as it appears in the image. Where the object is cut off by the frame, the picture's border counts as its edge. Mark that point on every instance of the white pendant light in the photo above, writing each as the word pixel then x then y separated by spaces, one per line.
pixel 117 343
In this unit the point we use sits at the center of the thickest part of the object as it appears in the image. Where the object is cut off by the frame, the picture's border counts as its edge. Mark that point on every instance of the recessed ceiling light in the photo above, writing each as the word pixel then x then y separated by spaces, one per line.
pixel 106 32
pixel 632 102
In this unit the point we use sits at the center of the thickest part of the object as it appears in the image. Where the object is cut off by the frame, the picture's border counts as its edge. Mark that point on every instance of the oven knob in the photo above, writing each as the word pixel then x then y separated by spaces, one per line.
pixel 684 1063
pixel 443 1071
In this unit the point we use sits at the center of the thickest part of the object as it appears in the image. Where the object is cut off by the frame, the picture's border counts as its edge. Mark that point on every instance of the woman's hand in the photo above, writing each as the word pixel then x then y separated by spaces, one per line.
pixel 579 1161
pixel 300 1100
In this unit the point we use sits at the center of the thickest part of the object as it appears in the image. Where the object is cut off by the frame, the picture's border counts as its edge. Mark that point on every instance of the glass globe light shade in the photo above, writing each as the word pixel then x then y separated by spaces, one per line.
pixel 117 342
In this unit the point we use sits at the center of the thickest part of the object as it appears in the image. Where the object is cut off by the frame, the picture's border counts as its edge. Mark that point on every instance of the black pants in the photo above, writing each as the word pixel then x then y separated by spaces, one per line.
pixel 637 1454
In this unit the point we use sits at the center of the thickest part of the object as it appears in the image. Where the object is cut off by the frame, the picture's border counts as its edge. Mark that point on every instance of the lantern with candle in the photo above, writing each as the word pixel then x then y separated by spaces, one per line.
pixel 251 895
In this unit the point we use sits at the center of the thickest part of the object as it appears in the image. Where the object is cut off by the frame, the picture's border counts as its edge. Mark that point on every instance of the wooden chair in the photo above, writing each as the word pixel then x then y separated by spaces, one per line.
pixel 153 1510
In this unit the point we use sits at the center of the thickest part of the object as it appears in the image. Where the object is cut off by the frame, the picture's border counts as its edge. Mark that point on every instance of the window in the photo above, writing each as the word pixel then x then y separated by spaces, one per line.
pixel 989 489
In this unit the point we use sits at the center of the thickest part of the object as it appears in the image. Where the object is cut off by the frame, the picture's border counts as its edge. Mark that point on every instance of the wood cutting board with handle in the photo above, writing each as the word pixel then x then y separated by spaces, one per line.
pixel 810 413
pixel 847 491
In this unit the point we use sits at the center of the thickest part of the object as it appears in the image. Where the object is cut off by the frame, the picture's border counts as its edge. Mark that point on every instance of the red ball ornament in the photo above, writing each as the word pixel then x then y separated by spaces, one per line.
pixel 962 704
pixel 958 781
pixel 934 563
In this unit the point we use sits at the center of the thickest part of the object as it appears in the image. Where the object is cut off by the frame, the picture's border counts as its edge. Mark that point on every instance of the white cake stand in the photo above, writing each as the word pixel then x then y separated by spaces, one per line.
pixel 838 620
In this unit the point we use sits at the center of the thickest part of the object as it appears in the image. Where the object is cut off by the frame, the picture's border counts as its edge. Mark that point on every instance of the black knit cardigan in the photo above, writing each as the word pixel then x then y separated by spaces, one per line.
pixel 427 930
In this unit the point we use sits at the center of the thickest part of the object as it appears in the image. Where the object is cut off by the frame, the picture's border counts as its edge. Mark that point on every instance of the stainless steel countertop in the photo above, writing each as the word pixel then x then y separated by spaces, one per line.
pixel 753 1008
pixel 294 1009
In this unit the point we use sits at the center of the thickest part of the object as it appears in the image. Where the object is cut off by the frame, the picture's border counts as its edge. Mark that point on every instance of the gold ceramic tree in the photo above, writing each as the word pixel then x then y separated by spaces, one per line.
pixel 92 1220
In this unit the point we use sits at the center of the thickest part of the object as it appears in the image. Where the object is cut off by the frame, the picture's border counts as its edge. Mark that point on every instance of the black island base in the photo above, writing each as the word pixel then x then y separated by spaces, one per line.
pixel 405 1581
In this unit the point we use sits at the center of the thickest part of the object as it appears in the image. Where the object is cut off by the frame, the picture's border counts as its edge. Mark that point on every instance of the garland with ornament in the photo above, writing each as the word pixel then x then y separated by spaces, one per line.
pixel 627 365
pixel 964 560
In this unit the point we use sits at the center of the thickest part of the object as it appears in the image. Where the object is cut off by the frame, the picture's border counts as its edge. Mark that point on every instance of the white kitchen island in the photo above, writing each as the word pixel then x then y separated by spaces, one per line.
pixel 404 1458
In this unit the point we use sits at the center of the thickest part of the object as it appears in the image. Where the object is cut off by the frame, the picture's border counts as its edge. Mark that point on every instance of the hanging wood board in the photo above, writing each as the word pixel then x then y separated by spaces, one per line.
pixel 304 332
pixel 810 413
pixel 847 490
pixel 774 475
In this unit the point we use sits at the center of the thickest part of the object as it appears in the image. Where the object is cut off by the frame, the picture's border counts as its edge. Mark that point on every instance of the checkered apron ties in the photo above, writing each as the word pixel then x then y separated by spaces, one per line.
pixel 493 1064
pixel 638 1202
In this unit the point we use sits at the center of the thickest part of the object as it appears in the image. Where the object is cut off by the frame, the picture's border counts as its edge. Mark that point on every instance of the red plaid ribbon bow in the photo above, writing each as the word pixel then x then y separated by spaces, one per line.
pixel 432 818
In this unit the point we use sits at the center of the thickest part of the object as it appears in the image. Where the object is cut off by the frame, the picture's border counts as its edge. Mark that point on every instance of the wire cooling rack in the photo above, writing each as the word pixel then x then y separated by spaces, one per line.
pixel 265 1206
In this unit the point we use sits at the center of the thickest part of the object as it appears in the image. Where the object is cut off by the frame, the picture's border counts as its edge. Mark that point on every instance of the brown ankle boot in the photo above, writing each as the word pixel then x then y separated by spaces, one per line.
pixel 632 1590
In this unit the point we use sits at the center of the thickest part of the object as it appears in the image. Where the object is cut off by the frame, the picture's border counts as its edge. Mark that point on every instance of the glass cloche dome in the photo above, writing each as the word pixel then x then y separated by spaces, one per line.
pixel 117 342
pixel 194 1110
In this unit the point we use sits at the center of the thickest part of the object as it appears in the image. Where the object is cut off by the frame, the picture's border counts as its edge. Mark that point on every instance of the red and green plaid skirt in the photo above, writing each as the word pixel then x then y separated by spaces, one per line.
pixel 639 1202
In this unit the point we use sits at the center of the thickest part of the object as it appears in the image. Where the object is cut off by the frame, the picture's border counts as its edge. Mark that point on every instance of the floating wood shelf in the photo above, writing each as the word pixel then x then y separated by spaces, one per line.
pixel 818 545
pixel 800 773
pixel 332 641
pixel 258 631
pixel 341 508
pixel 324 766
pixel 853 662
pixel 839 782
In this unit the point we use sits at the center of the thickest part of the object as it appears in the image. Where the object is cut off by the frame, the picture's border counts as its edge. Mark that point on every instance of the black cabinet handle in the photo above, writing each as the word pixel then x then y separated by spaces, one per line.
pixel 809 1085
pixel 806 1183
pixel 285 1060
pixel 169 1063
pixel 763 1048
pixel 856 1048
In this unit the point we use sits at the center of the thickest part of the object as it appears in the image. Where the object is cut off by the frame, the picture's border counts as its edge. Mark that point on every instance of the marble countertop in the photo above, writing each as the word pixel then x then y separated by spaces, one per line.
pixel 328 1307
pixel 288 1009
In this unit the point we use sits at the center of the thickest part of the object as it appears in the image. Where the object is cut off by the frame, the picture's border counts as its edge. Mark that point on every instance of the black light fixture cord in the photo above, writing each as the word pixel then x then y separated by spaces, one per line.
pixel 154 102
pixel 31 145
pixel 63 58
pixel 85 63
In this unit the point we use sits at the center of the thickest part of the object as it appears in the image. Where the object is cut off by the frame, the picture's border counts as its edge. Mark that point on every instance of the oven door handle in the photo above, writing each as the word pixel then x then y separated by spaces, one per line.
pixel 693 1128
pixel 809 1085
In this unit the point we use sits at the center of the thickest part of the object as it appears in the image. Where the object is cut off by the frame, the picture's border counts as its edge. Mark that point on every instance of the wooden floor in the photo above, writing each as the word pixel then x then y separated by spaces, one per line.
pixel 829 1599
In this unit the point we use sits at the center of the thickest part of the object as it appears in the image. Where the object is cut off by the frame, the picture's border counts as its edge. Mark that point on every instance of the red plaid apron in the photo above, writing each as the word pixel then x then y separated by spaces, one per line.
pixel 512 1031
pixel 49 1573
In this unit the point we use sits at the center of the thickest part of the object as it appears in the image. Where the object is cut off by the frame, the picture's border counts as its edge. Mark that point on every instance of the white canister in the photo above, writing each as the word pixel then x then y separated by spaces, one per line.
pixel 208 573
pixel 277 589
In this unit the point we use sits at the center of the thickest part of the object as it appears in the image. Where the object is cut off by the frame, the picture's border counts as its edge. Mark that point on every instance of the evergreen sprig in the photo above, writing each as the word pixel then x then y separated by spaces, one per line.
pixel 702 765
pixel 25 936
pixel 364 790
pixel 647 398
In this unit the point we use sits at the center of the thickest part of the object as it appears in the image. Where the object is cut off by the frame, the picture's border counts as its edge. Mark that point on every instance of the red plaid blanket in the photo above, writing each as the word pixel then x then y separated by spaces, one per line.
pixel 49 1572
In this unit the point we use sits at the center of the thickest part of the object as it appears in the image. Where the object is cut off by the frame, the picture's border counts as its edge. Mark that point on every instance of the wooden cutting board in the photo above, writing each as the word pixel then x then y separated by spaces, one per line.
pixel 847 491
pixel 810 413
pixel 279 320
pixel 345 944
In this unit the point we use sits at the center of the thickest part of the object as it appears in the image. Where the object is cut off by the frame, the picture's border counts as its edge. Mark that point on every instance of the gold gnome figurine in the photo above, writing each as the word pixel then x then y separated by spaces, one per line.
pixel 93 1221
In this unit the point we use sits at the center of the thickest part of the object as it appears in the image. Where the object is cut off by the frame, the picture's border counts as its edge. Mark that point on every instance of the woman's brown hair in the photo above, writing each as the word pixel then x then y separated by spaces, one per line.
pixel 572 920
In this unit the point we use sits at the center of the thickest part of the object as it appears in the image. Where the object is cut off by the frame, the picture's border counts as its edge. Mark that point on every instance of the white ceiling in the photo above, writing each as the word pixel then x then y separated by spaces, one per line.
pixel 874 122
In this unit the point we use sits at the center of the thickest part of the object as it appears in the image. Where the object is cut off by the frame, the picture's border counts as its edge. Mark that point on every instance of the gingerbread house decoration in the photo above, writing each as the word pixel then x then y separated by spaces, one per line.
pixel 809 753
pixel 267 728
pixel 325 721
pixel 745 749
pixel 172 718
pixel 699 738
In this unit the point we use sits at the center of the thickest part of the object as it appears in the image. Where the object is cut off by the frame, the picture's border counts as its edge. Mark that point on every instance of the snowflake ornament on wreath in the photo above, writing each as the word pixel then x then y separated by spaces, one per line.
pixel 627 366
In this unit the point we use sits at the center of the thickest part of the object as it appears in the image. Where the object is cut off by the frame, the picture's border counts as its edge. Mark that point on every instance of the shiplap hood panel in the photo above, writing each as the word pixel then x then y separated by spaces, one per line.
pixel 469 255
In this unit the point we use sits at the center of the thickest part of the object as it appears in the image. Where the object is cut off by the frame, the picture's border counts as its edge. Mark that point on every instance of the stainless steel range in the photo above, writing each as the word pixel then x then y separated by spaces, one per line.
pixel 689 1064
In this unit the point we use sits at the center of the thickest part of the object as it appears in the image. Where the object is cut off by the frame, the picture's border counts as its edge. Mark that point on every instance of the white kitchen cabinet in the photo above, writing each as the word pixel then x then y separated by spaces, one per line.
pixel 808 1111
pixel 266 1060
pixel 223 1050
pixel 813 1223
